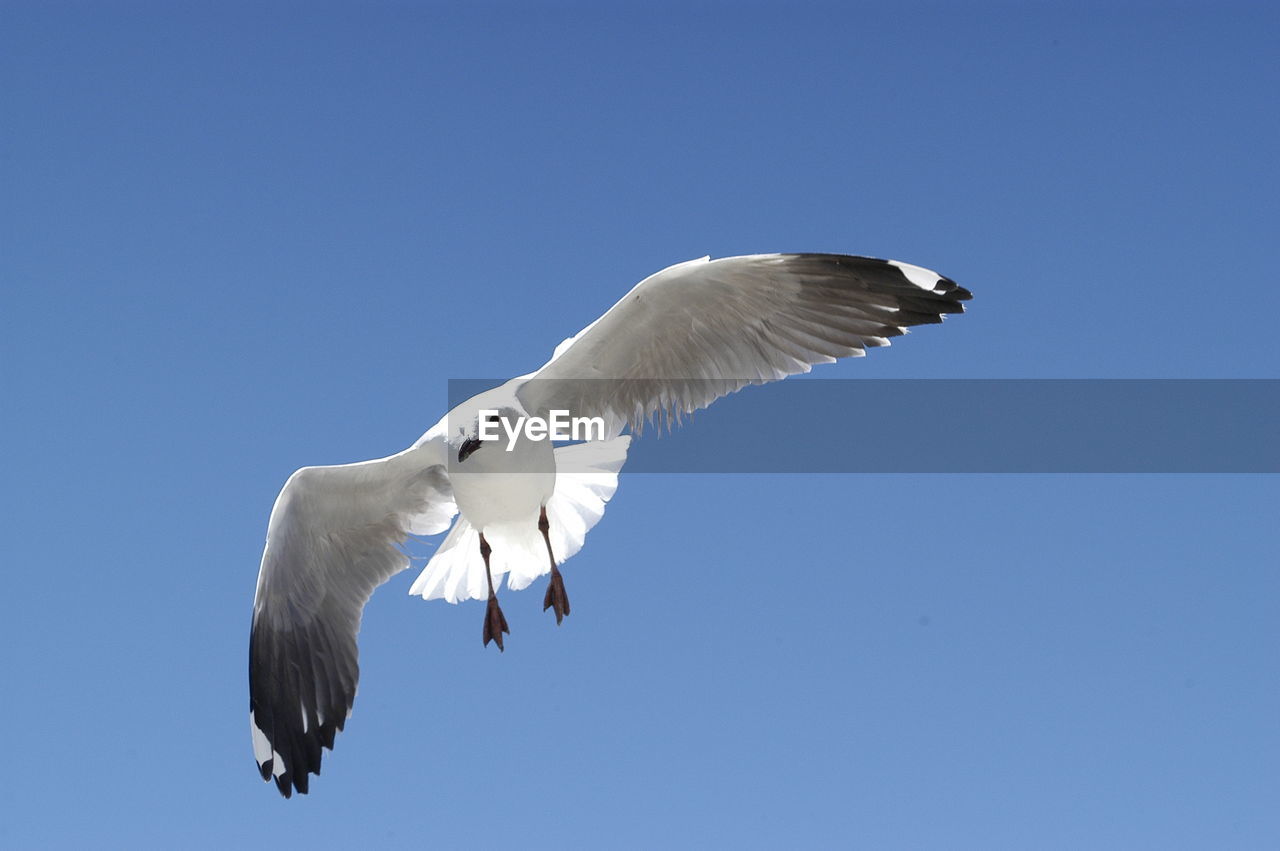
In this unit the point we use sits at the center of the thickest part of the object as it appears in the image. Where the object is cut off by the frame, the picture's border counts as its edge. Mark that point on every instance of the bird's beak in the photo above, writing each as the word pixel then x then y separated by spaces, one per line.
pixel 471 444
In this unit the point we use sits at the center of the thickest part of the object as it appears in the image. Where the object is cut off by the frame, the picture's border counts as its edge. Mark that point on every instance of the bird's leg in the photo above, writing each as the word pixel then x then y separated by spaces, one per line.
pixel 494 623
pixel 556 597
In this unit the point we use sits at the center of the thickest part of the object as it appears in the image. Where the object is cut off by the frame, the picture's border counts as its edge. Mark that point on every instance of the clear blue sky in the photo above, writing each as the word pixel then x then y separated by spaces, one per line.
pixel 243 239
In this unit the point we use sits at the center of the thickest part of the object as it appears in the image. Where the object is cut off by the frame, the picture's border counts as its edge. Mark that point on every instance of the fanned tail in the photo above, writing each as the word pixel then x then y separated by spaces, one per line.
pixel 586 479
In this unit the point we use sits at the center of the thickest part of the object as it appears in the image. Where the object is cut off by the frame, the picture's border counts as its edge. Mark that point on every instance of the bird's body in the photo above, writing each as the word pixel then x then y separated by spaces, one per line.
pixel 528 465
pixel 680 339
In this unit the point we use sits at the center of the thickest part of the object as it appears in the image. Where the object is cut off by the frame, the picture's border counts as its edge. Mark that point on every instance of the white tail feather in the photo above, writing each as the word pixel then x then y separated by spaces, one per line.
pixel 586 478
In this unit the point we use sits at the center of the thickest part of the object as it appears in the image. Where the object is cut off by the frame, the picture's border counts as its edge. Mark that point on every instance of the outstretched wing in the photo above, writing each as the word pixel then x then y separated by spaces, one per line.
pixel 698 330
pixel 334 536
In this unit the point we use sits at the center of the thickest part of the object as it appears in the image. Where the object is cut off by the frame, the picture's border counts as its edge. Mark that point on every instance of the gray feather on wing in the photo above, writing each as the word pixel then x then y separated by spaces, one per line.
pixel 335 535
pixel 684 337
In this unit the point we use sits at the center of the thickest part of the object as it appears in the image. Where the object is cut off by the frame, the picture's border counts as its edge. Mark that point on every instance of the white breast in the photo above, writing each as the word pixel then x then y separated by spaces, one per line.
pixel 497 486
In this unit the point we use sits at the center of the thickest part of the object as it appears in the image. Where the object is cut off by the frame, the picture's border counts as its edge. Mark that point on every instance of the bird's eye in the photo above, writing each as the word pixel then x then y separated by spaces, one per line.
pixel 491 418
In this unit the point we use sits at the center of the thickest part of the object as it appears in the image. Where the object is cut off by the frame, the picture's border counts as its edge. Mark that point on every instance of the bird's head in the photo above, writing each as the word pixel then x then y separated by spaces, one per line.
pixel 486 426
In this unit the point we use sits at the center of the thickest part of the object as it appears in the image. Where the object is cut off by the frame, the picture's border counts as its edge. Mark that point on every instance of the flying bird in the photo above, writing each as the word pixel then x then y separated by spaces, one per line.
pixel 676 342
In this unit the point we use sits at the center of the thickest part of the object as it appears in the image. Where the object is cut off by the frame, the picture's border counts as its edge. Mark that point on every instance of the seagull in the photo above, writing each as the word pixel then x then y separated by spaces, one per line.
pixel 679 340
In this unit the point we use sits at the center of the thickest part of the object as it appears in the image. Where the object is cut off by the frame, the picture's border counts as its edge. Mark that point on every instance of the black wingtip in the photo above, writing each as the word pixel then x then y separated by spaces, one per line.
pixel 287 783
pixel 956 291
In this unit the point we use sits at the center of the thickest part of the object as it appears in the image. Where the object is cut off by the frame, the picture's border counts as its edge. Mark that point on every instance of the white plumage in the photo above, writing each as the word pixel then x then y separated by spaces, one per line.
pixel 676 342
